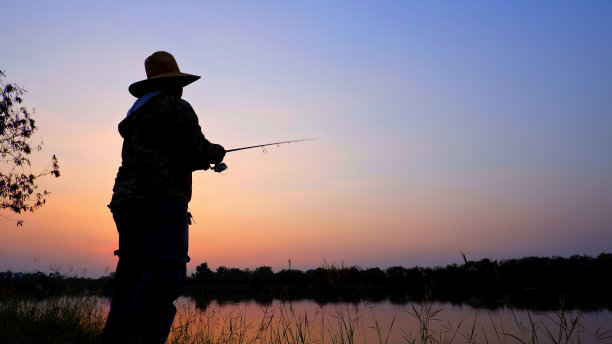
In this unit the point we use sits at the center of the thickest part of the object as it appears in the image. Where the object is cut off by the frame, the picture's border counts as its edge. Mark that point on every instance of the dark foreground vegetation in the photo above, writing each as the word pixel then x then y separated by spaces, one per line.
pixel 76 320
pixel 579 282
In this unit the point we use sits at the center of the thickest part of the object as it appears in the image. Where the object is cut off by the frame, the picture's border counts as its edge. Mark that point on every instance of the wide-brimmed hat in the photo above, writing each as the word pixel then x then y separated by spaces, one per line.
pixel 161 68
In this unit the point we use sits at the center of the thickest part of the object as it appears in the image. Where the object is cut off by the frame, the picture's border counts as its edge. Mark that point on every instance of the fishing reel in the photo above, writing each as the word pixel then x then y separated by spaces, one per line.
pixel 220 167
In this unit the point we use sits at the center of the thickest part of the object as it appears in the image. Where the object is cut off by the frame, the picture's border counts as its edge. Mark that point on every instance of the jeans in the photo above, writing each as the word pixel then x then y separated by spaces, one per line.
pixel 151 272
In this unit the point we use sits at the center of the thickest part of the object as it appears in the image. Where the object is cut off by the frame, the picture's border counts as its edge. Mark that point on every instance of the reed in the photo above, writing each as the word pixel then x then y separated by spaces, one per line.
pixel 347 325
pixel 58 320
pixel 80 320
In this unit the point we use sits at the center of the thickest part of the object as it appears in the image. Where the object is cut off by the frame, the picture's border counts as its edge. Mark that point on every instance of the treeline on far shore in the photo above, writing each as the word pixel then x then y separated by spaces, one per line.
pixel 581 282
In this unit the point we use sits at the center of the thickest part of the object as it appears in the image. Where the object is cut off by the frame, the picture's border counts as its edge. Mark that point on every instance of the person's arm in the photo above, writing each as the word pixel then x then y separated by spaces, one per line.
pixel 194 150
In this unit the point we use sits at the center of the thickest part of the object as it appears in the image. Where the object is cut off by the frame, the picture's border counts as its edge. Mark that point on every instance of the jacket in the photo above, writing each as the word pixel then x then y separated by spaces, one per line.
pixel 162 145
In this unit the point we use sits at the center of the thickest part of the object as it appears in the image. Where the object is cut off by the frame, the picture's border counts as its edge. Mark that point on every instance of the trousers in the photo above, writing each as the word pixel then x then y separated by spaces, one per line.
pixel 151 272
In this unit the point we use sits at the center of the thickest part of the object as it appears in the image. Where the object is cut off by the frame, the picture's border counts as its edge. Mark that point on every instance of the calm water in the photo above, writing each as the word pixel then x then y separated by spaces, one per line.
pixel 372 323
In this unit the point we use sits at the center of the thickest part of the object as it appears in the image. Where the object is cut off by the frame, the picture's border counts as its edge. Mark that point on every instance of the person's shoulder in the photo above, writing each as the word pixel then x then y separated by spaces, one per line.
pixel 166 98
pixel 169 102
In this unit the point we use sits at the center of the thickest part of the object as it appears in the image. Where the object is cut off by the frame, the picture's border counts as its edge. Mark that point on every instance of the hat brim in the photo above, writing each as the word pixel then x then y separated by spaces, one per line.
pixel 140 88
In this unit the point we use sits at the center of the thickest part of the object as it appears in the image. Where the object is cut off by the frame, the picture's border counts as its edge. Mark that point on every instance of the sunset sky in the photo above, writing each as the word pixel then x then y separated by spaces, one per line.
pixel 443 126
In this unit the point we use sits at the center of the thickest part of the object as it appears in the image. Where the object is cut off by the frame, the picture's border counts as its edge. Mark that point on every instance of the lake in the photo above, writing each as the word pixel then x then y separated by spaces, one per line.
pixel 309 322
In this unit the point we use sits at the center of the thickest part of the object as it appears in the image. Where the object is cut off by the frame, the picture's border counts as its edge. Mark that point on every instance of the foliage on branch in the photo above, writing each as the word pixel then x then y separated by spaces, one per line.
pixel 18 184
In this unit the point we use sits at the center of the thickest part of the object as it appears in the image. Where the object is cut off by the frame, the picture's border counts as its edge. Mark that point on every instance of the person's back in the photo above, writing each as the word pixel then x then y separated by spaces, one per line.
pixel 163 144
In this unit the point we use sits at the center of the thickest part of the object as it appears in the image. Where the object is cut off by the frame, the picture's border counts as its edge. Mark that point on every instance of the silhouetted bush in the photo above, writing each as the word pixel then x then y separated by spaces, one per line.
pixel 530 282
pixel 537 283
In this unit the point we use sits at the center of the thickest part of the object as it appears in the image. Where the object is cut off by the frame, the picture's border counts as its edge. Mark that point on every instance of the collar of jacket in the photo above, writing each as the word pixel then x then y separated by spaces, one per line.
pixel 142 101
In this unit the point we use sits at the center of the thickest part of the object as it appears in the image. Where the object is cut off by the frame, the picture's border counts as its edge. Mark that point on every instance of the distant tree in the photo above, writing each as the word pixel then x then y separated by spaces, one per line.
pixel 222 271
pixel 264 273
pixel 203 274
pixel 374 276
pixel 396 276
pixel 263 276
pixel 18 184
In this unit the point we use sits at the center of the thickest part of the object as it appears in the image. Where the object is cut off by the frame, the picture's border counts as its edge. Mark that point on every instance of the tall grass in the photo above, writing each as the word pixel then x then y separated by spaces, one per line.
pixel 80 320
pixel 561 328
pixel 348 325
pixel 63 320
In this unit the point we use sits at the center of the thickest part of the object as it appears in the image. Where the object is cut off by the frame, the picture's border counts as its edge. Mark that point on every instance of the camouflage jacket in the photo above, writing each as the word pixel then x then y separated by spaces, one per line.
pixel 162 145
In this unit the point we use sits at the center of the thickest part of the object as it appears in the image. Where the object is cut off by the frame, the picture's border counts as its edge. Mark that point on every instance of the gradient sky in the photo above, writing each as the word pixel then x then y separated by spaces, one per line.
pixel 474 126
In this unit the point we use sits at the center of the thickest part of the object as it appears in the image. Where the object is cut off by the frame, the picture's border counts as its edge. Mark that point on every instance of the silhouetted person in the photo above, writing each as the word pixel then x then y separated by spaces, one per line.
pixel 162 145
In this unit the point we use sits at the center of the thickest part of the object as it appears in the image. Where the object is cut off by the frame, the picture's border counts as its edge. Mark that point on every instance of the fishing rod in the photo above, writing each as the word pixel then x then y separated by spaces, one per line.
pixel 220 167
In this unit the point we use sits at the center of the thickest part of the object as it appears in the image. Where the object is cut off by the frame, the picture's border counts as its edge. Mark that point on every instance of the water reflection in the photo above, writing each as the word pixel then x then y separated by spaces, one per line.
pixel 383 322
